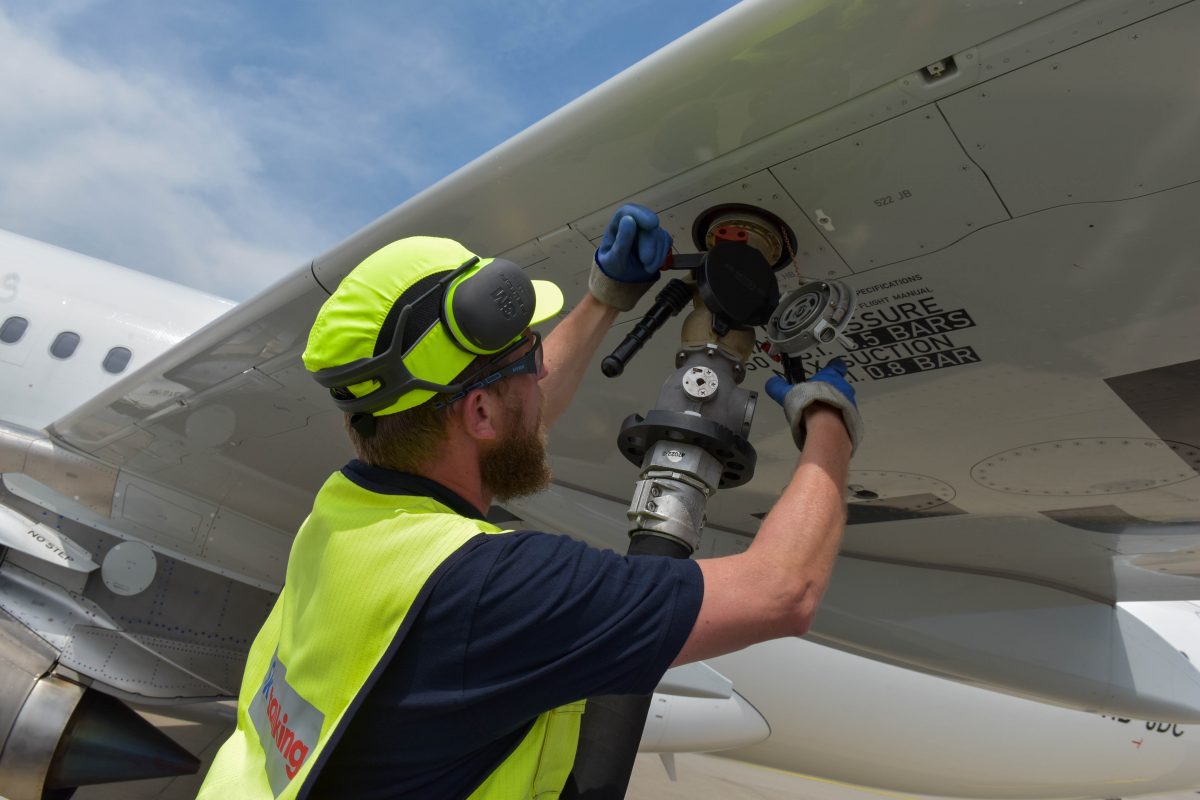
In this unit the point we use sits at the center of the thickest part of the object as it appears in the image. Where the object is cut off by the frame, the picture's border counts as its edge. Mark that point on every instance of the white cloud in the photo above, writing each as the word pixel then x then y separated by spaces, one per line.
pixel 225 173
pixel 126 166
pixel 224 144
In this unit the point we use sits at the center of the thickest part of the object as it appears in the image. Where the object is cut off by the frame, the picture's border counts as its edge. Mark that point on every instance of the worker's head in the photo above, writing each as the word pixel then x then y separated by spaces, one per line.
pixel 417 326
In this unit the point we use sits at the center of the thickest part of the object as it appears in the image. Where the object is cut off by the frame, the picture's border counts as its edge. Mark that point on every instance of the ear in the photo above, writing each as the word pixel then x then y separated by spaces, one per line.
pixel 478 415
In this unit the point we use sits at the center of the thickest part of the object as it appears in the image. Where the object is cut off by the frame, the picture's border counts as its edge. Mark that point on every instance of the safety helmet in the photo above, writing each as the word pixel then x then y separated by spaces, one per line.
pixel 407 320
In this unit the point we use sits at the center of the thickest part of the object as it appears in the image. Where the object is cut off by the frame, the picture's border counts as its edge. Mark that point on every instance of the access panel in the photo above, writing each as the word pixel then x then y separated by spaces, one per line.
pixel 898 190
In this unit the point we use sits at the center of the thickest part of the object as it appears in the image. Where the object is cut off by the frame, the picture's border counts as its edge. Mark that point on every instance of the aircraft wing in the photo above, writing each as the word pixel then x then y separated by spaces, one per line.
pixel 1010 189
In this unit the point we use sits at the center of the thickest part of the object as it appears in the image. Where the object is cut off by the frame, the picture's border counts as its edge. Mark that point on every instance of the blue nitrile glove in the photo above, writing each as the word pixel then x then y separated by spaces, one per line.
pixel 633 246
pixel 627 262
pixel 829 386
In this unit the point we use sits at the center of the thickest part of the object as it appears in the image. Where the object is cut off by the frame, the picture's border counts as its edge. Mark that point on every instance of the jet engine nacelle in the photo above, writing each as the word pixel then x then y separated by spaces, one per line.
pixel 57 734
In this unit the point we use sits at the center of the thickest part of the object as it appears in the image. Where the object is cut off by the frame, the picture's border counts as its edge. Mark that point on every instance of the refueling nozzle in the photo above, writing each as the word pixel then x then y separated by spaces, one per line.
pixel 733 277
pixel 817 313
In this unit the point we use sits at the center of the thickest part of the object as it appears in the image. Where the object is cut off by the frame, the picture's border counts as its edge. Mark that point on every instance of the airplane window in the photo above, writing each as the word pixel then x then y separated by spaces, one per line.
pixel 117 359
pixel 64 344
pixel 13 329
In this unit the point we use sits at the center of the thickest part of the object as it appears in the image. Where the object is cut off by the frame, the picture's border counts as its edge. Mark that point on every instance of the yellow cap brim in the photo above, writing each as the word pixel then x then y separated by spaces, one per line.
pixel 548 301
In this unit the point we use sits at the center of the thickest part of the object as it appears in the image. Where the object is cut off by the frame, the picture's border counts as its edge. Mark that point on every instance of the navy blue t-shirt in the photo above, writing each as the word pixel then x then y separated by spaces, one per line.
pixel 509 626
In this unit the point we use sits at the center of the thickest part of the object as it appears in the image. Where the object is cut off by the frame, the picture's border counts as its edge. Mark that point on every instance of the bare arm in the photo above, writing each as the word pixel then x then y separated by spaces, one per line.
pixel 773 589
pixel 568 353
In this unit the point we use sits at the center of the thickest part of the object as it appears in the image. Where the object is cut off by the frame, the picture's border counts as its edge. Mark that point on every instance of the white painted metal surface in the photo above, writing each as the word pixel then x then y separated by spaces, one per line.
pixel 41 541
pixel 676 724
pixel 128 568
pixel 846 718
pixel 108 306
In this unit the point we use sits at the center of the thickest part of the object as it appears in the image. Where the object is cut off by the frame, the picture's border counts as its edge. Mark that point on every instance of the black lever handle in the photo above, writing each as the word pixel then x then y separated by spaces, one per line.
pixel 669 302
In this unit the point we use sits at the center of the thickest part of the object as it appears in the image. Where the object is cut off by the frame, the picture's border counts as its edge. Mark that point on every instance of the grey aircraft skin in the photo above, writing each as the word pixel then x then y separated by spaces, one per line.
pixel 1010 191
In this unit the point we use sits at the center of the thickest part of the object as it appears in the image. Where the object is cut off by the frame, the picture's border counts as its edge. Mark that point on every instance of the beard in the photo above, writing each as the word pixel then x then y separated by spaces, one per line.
pixel 515 465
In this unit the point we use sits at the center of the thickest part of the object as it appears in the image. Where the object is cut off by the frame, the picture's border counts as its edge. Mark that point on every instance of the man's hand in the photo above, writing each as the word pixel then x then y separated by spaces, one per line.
pixel 628 259
pixel 828 386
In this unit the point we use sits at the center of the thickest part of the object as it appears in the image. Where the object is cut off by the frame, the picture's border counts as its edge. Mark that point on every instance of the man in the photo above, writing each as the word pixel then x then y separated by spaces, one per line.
pixel 418 651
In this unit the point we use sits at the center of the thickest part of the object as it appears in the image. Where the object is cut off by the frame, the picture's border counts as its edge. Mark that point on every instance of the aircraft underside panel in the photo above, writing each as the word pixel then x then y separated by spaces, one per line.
pixel 184 636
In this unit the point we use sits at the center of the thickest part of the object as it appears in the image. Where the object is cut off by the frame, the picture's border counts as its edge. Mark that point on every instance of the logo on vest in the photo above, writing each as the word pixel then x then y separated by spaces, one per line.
pixel 288 726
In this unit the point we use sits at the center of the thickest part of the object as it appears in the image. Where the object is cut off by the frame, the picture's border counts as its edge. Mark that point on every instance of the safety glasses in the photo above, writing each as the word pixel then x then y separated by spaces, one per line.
pixel 531 362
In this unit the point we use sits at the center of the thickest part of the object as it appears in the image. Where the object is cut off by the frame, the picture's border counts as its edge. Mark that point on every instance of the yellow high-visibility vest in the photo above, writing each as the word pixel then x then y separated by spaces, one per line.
pixel 356 567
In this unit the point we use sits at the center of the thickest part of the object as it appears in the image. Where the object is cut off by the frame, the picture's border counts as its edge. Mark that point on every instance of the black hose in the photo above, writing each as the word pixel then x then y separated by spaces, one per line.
pixel 612 725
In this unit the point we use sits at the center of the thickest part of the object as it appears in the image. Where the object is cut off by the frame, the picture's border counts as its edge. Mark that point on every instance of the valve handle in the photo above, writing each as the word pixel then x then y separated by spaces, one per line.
pixel 669 302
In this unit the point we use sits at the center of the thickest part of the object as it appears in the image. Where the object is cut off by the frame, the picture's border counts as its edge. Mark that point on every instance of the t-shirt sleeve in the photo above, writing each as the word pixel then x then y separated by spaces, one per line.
pixel 554 620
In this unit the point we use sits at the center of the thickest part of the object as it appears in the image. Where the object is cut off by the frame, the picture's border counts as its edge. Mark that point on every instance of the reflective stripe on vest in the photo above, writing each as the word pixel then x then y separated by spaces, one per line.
pixel 358 565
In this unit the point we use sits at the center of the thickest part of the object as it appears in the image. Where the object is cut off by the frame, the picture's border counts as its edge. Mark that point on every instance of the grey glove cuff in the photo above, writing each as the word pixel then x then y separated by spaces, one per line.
pixel 803 395
pixel 621 296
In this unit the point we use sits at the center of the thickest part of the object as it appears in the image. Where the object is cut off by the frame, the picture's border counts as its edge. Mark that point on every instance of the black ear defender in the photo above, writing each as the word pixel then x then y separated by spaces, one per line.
pixel 483 312
pixel 487 310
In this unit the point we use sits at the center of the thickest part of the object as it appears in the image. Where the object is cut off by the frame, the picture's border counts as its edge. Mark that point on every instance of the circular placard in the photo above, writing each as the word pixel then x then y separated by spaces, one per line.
pixel 128 568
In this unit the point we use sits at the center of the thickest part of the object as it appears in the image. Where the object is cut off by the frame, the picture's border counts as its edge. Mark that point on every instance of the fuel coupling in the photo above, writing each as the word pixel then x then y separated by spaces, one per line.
pixel 695 440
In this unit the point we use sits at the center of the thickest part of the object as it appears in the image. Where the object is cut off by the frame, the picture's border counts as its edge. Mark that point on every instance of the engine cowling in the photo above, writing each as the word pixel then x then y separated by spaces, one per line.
pixel 57 734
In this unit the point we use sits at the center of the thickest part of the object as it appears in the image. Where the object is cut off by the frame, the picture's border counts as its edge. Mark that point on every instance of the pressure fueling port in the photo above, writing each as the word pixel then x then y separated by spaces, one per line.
pixel 738 222
pixel 814 314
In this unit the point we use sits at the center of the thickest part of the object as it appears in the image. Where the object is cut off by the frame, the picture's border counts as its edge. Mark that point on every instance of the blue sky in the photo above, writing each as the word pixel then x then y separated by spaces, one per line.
pixel 221 144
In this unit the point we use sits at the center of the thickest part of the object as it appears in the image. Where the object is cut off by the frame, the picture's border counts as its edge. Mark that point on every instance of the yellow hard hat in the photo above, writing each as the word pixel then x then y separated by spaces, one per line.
pixel 408 319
